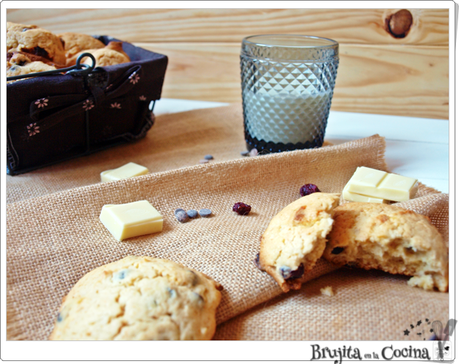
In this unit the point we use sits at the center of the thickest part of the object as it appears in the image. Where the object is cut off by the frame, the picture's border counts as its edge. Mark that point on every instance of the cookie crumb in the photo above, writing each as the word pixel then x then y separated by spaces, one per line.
pixel 327 291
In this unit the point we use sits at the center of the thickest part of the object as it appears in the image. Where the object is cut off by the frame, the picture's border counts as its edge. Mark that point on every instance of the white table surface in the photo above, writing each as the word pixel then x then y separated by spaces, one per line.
pixel 415 147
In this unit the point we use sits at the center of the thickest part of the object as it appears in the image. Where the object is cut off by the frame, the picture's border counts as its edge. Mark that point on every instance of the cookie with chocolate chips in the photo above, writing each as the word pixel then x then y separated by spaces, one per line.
pixel 139 298
pixel 389 238
pixel 295 238
pixel 36 41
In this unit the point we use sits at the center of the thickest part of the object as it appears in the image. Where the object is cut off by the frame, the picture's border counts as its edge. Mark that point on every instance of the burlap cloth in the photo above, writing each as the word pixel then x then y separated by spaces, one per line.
pixel 53 239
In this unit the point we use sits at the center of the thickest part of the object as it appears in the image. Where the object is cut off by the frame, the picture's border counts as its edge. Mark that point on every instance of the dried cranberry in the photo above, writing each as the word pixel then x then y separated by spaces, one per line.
pixel 241 208
pixel 308 188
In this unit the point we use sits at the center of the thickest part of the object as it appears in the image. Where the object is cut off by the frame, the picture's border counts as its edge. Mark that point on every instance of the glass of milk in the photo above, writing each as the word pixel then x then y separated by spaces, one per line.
pixel 287 89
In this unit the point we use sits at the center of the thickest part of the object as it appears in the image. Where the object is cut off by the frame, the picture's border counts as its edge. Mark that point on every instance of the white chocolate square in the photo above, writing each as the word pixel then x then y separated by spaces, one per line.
pixel 380 185
pixel 399 187
pixel 127 171
pixel 356 197
pixel 131 219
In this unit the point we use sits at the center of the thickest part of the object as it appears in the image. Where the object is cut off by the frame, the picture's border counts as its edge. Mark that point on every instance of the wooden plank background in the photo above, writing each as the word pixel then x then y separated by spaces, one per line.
pixel 378 73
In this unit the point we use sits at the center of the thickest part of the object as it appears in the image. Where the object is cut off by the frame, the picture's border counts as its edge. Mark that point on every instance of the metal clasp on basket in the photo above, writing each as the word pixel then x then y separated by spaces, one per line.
pixel 79 69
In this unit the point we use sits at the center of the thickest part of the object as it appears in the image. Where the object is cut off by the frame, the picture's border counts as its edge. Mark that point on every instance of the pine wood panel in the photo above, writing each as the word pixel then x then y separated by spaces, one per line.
pixel 385 79
pixel 377 74
pixel 430 26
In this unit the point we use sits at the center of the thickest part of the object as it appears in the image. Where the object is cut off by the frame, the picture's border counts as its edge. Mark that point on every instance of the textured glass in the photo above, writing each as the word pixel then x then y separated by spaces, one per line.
pixel 287 89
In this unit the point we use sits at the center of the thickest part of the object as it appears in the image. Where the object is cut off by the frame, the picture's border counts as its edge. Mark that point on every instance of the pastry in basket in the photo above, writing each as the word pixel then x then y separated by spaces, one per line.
pixel 295 238
pixel 34 40
pixel 110 55
pixel 139 298
pixel 75 43
pixel 387 237
pixel 21 64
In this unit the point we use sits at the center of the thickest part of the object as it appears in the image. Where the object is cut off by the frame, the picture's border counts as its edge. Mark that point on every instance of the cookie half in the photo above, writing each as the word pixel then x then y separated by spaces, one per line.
pixel 76 42
pixel 34 40
pixel 389 238
pixel 295 238
pixel 139 298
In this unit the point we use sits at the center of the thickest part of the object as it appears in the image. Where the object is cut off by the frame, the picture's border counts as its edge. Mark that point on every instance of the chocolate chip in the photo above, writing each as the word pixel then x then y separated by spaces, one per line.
pixel 208 157
pixel 337 250
pixel 205 212
pixel 257 261
pixel 195 280
pixel 172 292
pixel 285 272
pixel 59 317
pixel 288 273
pixel 192 214
pixel 181 215
pixel 199 299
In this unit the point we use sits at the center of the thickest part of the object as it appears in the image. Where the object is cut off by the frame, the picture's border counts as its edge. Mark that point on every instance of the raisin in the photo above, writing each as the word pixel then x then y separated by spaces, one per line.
pixel 241 208
pixel 308 188
pixel 337 250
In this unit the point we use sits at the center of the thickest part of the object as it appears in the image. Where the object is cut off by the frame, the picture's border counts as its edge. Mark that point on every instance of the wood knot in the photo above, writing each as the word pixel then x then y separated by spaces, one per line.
pixel 399 24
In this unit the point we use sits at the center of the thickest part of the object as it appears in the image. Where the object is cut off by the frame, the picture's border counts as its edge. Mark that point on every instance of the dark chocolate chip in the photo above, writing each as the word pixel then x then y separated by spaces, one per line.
pixel 172 292
pixel 337 250
pixel 257 261
pixel 181 216
pixel 198 298
pixel 298 273
pixel 192 214
pixel 288 273
pixel 205 212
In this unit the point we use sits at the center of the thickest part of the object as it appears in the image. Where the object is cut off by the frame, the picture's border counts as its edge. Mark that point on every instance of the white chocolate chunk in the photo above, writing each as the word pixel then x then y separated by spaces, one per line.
pixel 127 171
pixel 131 219
pixel 356 197
pixel 378 184
pixel 395 185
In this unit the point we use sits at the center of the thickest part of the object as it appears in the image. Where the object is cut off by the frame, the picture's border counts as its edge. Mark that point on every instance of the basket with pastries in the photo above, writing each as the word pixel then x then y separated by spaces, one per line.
pixel 60 108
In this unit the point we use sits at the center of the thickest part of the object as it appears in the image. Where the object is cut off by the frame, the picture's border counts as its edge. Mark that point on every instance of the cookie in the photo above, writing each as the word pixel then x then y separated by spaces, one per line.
pixel 139 298
pixel 389 238
pixel 76 42
pixel 26 68
pixel 110 55
pixel 295 238
pixel 34 40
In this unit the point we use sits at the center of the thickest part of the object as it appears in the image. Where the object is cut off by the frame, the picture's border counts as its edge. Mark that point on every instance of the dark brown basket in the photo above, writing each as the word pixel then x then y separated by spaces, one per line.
pixel 54 118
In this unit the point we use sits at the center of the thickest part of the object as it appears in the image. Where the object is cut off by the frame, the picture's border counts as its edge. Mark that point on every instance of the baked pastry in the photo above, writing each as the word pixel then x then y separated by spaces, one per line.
pixel 295 238
pixel 389 238
pixel 139 298
pixel 110 55
pixel 34 40
pixel 75 43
